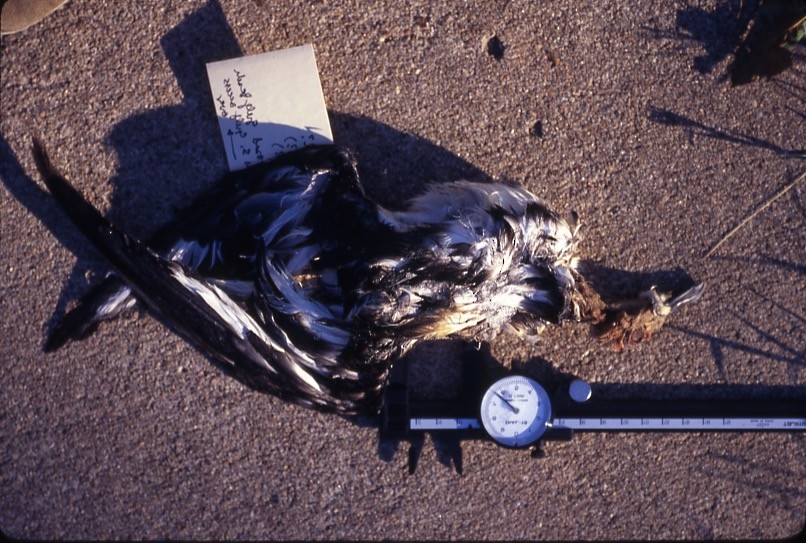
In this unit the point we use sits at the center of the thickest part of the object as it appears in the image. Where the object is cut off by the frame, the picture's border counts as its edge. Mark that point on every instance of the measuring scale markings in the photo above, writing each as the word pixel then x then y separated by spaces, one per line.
pixel 444 423
pixel 515 411
pixel 677 423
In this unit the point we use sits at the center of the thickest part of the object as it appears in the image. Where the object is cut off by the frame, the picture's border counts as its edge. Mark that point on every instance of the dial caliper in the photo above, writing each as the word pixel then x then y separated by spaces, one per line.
pixel 516 411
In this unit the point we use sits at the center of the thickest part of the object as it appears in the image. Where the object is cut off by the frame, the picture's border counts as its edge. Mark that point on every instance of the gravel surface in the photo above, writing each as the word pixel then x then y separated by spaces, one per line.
pixel 618 110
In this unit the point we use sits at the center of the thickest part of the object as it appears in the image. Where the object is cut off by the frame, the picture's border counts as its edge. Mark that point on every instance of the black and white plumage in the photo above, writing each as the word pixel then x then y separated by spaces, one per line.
pixel 289 277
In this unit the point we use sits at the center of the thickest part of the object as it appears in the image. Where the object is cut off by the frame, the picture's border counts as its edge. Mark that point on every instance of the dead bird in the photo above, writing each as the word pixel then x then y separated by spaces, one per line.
pixel 291 279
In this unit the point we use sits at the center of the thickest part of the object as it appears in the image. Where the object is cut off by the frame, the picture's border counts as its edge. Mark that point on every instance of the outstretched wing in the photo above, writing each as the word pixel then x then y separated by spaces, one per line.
pixel 241 335
pixel 213 234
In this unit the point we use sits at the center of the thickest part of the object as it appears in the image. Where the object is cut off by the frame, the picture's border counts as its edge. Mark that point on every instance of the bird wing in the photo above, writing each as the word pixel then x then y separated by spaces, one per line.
pixel 251 345
pixel 205 235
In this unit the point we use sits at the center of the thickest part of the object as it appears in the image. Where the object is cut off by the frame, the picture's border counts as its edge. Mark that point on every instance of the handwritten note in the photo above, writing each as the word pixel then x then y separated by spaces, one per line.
pixel 268 104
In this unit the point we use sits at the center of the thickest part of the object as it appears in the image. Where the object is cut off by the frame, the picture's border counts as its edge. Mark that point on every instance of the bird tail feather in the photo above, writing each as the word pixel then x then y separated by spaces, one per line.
pixel 106 300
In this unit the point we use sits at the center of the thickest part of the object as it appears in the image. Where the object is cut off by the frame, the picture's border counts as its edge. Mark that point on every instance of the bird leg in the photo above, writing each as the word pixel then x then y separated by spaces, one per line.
pixel 630 322
pixel 587 302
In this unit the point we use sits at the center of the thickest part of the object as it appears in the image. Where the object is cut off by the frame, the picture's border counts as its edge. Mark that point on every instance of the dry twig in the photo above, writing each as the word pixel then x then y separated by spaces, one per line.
pixel 756 212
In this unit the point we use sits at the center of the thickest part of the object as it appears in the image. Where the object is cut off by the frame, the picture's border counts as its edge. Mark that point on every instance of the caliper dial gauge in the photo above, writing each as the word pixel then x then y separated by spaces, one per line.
pixel 515 411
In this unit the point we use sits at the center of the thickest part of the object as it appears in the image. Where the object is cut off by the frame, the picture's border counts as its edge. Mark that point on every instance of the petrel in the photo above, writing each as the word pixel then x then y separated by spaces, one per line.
pixel 291 279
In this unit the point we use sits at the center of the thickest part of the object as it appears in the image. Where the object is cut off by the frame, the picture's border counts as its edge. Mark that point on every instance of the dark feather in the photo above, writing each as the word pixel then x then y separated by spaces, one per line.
pixel 292 280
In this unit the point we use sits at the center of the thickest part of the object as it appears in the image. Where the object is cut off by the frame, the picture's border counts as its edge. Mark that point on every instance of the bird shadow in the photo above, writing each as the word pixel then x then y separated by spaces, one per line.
pixel 170 154
pixel 695 128
pixel 614 283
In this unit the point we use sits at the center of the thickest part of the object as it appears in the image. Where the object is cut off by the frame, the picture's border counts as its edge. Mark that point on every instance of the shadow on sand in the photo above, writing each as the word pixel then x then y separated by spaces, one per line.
pixel 161 167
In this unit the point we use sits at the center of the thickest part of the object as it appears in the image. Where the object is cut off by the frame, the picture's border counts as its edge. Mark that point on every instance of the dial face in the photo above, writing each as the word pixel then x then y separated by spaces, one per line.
pixel 515 411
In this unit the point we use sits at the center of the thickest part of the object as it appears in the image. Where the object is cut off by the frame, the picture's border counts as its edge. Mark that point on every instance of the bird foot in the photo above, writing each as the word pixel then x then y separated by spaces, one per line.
pixel 635 321
pixel 664 304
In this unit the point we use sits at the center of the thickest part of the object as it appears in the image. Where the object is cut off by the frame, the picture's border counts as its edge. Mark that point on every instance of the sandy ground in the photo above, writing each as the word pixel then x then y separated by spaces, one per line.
pixel 133 434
